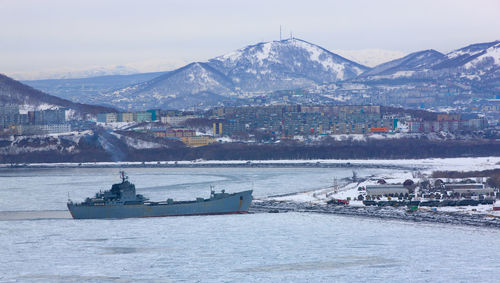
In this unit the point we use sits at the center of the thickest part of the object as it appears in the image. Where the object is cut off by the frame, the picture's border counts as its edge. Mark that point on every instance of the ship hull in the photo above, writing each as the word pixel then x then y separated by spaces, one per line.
pixel 231 204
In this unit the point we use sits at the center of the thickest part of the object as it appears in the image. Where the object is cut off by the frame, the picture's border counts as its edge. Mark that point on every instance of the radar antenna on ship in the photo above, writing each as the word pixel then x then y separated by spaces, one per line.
pixel 123 176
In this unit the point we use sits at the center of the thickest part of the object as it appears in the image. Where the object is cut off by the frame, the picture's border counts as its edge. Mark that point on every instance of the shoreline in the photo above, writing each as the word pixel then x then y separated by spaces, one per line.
pixel 458 163
pixel 272 206
pixel 386 213
pixel 217 165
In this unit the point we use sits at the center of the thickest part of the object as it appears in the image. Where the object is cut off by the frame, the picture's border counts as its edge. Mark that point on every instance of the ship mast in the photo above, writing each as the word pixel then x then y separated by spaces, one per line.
pixel 123 176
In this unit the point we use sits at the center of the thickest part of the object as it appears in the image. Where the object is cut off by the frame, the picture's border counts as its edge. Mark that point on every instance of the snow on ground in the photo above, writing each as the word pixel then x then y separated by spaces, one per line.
pixel 480 209
pixel 350 190
pixel 395 75
pixel 117 125
pixel 45 142
pixel 300 197
pixel 492 53
pixel 225 139
pixel 346 190
pixel 23 109
pixel 70 135
pixel 377 136
pixel 138 143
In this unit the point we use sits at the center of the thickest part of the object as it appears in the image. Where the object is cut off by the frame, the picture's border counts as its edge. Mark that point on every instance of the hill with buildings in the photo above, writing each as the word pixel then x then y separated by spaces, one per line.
pixel 94 147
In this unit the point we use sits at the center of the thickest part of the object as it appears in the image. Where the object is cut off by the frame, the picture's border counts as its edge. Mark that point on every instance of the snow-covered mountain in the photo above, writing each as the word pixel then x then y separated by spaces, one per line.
pixel 472 56
pixel 475 62
pixel 190 85
pixel 271 67
pixel 253 70
pixel 286 64
pixel 407 65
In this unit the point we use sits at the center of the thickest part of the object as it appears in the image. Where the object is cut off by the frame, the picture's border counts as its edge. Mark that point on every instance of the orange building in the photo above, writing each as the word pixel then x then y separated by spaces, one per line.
pixel 198 140
pixel 379 130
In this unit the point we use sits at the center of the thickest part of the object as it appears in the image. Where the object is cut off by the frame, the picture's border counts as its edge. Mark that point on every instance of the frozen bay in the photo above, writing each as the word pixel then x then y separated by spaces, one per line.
pixel 298 247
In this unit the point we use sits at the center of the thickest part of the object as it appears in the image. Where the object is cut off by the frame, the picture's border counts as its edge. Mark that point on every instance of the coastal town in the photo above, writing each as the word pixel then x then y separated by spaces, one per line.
pixel 254 124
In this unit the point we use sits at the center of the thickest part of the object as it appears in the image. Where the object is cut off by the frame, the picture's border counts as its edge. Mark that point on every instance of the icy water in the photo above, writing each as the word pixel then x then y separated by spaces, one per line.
pixel 48 189
pixel 285 247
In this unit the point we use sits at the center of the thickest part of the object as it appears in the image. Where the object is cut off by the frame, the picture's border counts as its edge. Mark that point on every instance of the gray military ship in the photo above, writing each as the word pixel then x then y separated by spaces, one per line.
pixel 123 202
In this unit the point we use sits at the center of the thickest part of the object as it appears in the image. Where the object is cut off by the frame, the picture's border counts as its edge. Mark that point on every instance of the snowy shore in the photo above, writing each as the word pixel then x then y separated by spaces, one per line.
pixel 316 200
pixel 427 215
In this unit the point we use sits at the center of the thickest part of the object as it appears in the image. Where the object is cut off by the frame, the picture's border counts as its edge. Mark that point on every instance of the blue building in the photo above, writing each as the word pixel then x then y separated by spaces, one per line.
pixel 47 117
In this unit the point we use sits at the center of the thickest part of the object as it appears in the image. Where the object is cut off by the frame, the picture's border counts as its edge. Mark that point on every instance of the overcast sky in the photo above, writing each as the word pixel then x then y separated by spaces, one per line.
pixel 43 36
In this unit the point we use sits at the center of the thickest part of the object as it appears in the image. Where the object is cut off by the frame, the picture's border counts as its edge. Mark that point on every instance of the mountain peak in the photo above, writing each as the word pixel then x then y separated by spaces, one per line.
pixel 270 51
pixel 289 63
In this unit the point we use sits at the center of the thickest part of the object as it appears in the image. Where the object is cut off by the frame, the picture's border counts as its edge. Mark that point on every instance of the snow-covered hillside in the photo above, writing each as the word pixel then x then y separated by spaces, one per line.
pixel 491 54
pixel 473 63
pixel 471 56
pixel 255 69
pixel 285 64
pixel 190 85
pixel 418 61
